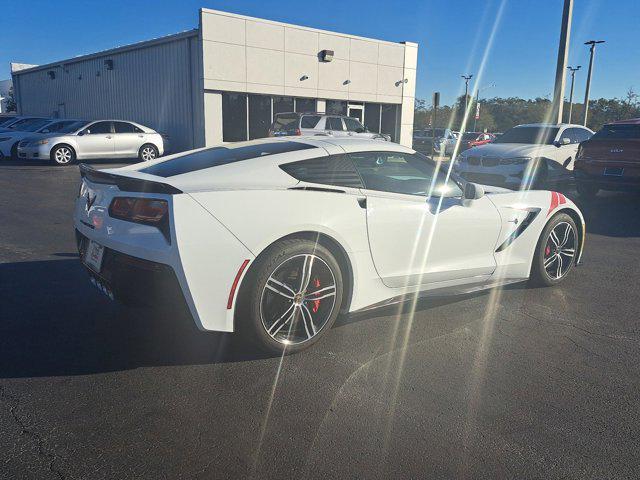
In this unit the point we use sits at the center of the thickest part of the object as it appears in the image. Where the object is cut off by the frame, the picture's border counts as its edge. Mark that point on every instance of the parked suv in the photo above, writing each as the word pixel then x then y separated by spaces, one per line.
pixel 320 124
pixel 97 139
pixel 610 160
pixel 533 155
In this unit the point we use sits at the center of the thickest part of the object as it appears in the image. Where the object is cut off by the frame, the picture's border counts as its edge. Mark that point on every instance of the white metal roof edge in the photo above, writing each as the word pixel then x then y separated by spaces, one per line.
pixel 124 48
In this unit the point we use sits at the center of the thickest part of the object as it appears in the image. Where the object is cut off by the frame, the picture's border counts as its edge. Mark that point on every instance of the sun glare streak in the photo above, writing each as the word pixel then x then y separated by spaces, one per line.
pixel 420 252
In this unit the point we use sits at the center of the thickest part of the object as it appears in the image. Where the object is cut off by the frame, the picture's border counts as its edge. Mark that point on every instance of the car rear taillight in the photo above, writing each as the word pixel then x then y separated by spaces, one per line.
pixel 298 132
pixel 147 211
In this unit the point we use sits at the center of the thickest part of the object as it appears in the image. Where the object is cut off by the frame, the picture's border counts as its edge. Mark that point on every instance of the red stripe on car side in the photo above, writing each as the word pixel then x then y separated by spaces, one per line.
pixel 235 284
pixel 554 202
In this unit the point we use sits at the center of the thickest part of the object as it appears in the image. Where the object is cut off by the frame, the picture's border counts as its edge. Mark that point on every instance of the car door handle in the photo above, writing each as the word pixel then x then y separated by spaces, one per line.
pixel 141 136
pixel 109 136
pixel 362 201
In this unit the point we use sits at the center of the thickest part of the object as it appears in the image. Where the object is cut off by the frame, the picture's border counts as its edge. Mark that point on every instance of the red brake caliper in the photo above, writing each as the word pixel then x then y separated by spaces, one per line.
pixel 316 303
pixel 547 251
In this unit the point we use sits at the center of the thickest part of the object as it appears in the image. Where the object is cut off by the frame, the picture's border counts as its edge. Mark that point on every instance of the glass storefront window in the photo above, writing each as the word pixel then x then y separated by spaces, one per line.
pixel 305 104
pixel 282 105
pixel 372 117
pixel 259 116
pixel 388 121
pixel 234 117
pixel 336 107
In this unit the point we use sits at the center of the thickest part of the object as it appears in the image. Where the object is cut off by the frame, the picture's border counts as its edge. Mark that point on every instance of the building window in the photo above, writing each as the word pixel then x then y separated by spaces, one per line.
pixel 305 104
pixel 234 117
pixel 336 107
pixel 259 116
pixel 372 117
pixel 282 105
pixel 388 120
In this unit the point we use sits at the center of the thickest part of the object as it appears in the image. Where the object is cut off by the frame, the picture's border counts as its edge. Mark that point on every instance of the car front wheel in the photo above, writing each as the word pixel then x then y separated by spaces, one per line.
pixel 148 152
pixel 291 297
pixel 63 155
pixel 556 251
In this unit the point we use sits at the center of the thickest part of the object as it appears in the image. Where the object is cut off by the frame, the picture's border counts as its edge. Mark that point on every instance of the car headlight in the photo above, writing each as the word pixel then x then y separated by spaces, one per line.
pixel 515 161
pixel 4 139
pixel 44 141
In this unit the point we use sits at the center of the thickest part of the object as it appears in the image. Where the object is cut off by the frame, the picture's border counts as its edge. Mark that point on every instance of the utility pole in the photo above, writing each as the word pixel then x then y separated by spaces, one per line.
pixel 592 50
pixel 466 90
pixel 561 66
pixel 475 117
pixel 573 75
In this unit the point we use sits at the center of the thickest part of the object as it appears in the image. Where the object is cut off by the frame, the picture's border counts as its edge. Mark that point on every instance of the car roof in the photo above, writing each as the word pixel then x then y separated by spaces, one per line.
pixel 550 125
pixel 630 121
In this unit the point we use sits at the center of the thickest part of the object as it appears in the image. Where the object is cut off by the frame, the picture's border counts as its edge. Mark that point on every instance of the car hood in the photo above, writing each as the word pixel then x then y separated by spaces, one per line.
pixel 509 150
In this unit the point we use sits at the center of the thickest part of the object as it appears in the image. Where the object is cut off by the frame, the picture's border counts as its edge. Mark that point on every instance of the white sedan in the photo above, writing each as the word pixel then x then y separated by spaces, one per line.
pixel 274 238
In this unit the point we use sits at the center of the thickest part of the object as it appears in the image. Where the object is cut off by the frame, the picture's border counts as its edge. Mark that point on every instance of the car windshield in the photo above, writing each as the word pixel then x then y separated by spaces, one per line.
pixel 5 121
pixel 26 123
pixel 531 135
pixel 35 125
pixel 618 131
pixel 469 137
pixel 66 126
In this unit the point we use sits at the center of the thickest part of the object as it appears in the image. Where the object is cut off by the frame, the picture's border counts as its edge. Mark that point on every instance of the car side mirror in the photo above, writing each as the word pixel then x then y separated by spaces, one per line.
pixel 472 191
pixel 563 141
pixel 82 132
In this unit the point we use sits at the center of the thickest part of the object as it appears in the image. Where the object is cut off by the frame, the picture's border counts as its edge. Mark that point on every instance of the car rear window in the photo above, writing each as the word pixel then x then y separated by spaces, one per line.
pixel 213 157
pixel 287 122
pixel 309 121
pixel 610 132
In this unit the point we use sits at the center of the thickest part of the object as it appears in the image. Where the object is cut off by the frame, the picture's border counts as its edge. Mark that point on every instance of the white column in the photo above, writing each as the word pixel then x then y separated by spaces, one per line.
pixel 408 93
pixel 212 118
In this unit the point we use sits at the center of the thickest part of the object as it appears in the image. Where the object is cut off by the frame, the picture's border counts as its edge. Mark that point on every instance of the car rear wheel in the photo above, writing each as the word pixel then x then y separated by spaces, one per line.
pixel 291 297
pixel 14 151
pixel 63 155
pixel 587 191
pixel 148 152
pixel 556 251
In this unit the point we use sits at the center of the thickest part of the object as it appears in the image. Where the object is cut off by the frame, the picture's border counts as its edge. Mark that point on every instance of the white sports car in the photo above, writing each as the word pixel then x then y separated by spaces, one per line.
pixel 274 238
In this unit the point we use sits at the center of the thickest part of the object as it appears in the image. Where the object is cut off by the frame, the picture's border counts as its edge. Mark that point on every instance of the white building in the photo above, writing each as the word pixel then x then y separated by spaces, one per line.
pixel 226 79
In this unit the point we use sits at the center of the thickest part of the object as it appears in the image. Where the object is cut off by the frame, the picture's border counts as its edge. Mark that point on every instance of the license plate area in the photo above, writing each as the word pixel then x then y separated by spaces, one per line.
pixel 93 255
pixel 613 171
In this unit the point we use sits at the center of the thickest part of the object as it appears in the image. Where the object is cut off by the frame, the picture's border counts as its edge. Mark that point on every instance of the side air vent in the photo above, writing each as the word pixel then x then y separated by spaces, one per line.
pixel 335 170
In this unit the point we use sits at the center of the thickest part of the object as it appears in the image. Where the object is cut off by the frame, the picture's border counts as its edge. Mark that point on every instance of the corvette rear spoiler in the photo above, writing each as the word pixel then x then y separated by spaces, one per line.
pixel 126 184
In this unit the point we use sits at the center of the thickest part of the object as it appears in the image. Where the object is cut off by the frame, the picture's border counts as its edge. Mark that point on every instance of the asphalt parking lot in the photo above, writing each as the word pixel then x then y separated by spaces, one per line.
pixel 514 383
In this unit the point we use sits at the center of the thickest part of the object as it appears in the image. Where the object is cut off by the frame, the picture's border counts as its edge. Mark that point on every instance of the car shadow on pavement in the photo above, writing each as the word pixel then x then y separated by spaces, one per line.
pixel 54 322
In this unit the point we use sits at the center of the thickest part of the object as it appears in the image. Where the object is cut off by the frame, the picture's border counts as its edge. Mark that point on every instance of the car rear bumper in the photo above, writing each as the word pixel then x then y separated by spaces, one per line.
pixel 133 280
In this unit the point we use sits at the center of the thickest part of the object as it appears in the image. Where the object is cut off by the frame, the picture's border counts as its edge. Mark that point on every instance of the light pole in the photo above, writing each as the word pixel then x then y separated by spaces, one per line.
pixel 573 75
pixel 475 117
pixel 563 53
pixel 466 90
pixel 592 50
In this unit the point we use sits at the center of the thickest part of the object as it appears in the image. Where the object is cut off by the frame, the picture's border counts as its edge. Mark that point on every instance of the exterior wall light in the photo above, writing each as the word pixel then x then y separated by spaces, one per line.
pixel 303 78
pixel 108 64
pixel 51 74
pixel 326 55
pixel 346 82
pixel 400 82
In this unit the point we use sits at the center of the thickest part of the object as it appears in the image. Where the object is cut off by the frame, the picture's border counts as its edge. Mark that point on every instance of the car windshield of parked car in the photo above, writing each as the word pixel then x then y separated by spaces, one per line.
pixel 65 126
pixel 35 125
pixel 530 135
pixel 6 121
pixel 622 131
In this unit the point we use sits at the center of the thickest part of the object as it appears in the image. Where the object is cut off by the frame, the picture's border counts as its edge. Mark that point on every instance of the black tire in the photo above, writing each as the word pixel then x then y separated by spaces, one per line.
pixel 62 155
pixel 587 191
pixel 148 152
pixel 546 249
pixel 258 307
pixel 14 151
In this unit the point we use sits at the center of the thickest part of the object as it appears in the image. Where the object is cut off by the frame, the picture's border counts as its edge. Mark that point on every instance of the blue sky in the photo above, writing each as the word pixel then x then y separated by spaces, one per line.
pixel 453 35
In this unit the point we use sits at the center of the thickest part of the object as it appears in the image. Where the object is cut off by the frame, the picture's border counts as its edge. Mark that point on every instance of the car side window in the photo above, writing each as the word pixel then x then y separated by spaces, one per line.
pixel 353 125
pixel 98 127
pixel 334 170
pixel 334 123
pixel 125 127
pixel 583 134
pixel 396 172
pixel 576 135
